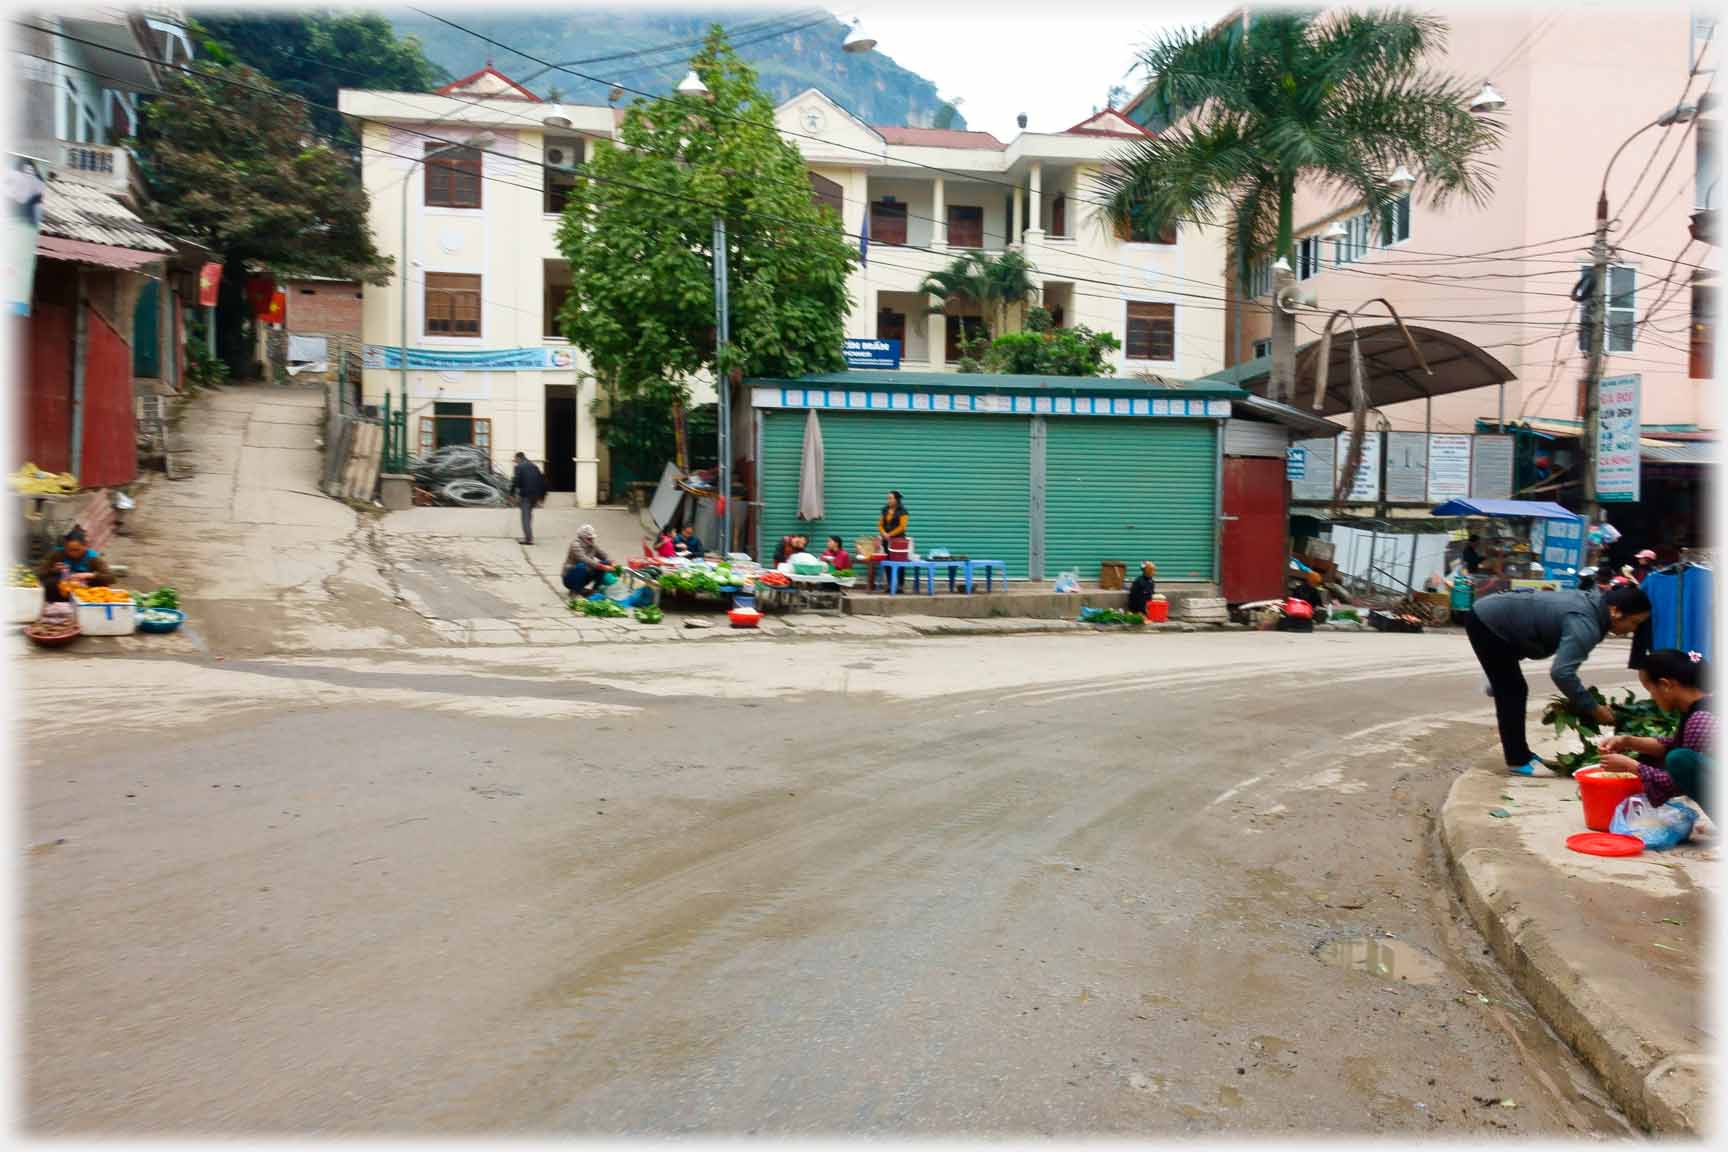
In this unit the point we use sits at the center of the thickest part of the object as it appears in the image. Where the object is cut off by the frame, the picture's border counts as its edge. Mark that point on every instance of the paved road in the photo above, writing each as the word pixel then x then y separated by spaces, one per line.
pixel 1051 885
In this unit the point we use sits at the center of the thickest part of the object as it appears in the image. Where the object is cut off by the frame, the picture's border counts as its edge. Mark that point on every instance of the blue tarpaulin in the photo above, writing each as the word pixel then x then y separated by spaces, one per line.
pixel 1506 509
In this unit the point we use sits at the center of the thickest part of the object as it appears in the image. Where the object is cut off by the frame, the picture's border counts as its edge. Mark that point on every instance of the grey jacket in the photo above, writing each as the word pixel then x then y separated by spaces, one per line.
pixel 1565 625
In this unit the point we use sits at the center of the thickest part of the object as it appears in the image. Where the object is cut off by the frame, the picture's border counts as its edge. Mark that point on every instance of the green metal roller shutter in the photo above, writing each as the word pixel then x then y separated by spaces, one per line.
pixel 966 480
pixel 1131 490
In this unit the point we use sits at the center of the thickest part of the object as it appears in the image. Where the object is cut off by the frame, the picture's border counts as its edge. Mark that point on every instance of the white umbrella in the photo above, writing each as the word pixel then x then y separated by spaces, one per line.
pixel 810 478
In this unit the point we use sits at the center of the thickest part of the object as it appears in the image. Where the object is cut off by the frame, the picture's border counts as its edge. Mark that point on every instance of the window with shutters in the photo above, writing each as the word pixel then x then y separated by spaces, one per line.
pixel 825 193
pixel 965 226
pixel 452 304
pixel 1703 365
pixel 1622 311
pixel 1259 279
pixel 1308 257
pixel 1395 222
pixel 1262 348
pixel 453 178
pixel 1151 331
pixel 887 221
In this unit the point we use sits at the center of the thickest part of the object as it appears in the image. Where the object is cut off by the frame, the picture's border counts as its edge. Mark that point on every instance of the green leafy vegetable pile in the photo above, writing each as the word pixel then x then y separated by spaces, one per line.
pixel 600 608
pixel 1632 717
pixel 161 598
pixel 649 614
pixel 690 583
pixel 1112 616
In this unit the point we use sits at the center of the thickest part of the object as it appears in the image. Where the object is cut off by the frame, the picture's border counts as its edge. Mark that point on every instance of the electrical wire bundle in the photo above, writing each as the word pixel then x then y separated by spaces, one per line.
pixel 461 475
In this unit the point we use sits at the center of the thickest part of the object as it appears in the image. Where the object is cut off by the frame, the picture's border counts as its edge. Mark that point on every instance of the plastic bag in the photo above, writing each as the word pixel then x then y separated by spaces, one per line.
pixel 1067 582
pixel 1658 828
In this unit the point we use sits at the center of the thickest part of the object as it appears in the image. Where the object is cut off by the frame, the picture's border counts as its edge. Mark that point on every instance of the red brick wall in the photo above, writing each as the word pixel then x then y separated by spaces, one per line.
pixel 323 307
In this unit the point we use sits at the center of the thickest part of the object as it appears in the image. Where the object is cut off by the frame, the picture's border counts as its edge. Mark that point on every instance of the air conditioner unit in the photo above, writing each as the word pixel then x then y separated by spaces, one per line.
pixel 558 157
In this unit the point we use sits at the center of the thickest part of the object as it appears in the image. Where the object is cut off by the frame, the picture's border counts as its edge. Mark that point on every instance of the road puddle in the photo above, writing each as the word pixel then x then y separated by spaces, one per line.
pixel 1388 959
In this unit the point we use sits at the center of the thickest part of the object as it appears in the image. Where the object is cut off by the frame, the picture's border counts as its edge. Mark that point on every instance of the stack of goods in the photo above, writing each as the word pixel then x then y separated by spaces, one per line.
pixel 460 475
pixel 33 481
pixel 1205 610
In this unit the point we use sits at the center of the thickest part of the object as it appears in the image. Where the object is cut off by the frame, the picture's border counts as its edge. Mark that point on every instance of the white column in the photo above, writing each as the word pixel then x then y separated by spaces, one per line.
pixel 1035 202
pixel 939 214
pixel 1018 223
pixel 587 444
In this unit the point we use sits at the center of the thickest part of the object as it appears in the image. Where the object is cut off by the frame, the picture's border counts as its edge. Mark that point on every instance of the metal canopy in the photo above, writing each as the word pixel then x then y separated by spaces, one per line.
pixel 1394 377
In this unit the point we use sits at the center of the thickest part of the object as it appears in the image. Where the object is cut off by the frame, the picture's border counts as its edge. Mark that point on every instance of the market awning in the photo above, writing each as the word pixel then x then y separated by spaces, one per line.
pixel 103 255
pixel 1394 376
pixel 1301 420
pixel 1506 509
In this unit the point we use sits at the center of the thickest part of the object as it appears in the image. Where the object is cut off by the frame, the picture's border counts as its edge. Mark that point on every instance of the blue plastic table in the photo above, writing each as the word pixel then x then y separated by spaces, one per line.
pixel 989 568
pixel 891 570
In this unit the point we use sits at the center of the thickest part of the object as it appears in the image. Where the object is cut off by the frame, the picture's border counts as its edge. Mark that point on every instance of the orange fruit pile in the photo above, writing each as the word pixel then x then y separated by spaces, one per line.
pixel 101 596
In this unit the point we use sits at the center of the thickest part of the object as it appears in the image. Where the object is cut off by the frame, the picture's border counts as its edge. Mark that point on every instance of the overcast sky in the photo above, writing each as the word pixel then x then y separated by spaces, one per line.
pixel 1054 60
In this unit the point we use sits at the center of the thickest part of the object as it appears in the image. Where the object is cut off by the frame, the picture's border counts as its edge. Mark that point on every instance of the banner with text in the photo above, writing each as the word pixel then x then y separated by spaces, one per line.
pixel 1617 433
pixel 384 356
pixel 871 353
pixel 1448 467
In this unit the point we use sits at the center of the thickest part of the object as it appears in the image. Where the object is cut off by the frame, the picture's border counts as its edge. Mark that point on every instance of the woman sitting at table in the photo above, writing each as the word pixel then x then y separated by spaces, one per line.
pixel 73 563
pixel 789 547
pixel 891 526
pixel 836 556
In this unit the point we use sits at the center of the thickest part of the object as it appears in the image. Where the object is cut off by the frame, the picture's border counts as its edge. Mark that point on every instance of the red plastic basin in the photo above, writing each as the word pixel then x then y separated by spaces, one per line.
pixel 1158 611
pixel 1600 797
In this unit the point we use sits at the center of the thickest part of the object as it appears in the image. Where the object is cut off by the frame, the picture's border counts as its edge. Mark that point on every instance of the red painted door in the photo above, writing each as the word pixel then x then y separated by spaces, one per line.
pixel 110 429
pixel 1255 529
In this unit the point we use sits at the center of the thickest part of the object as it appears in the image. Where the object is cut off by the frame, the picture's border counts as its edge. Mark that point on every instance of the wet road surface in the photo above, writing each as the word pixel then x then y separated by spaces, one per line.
pixel 1188 889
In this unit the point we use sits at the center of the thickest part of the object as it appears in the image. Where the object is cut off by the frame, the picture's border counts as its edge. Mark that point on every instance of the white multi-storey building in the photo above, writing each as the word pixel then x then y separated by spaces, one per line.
pixel 485 276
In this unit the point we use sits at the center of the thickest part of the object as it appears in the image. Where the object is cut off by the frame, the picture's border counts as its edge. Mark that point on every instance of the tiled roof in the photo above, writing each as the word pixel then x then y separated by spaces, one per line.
pixel 938 138
pixel 80 212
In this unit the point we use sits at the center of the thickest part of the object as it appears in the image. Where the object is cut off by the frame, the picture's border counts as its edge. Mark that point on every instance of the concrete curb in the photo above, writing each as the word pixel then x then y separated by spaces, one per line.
pixel 1664 1092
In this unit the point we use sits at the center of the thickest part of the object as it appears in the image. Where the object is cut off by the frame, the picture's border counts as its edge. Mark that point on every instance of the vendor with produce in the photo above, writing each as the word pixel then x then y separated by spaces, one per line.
pixel 73 564
pixel 1677 765
pixel 1509 627
pixel 585 564
pixel 1145 587
pixel 688 544
pixel 836 556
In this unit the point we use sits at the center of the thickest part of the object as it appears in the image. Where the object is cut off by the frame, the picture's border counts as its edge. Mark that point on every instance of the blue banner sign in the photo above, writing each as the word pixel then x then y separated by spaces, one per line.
pixel 872 353
pixel 388 357
pixel 1295 463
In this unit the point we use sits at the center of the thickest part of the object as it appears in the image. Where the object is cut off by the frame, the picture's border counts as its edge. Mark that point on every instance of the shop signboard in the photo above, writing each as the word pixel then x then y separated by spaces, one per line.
pixel 1295 463
pixel 389 357
pixel 1365 485
pixel 1491 468
pixel 1315 484
pixel 871 353
pixel 1448 467
pixel 1560 544
pixel 1617 457
pixel 1406 467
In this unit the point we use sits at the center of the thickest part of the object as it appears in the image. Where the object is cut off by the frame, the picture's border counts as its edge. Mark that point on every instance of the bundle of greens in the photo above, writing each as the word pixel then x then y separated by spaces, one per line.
pixel 690 583
pixel 649 614
pixel 161 598
pixel 1112 616
pixel 600 608
pixel 1632 717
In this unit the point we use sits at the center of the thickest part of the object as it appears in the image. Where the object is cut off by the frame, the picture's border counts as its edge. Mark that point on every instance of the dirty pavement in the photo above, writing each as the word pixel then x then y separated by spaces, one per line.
pixel 317 869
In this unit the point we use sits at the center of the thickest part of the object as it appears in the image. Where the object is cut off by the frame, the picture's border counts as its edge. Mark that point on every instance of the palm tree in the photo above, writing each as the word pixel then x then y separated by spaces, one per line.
pixel 993 283
pixel 1336 101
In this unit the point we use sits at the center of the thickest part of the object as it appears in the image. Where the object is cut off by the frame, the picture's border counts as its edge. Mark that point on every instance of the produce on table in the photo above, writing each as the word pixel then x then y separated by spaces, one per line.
pixel 24 576
pixel 843 574
pixel 649 614
pixel 1632 717
pixel 101 595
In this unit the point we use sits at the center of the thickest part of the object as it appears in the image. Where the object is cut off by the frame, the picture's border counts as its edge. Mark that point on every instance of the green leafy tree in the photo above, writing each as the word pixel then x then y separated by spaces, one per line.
pixel 992 283
pixel 1042 349
pixel 639 228
pixel 313 54
pixel 1334 101
pixel 235 165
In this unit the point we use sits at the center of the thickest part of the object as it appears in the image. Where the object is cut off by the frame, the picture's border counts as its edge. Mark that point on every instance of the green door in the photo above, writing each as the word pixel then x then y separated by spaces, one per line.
pixel 966 480
pixel 146 329
pixel 1131 490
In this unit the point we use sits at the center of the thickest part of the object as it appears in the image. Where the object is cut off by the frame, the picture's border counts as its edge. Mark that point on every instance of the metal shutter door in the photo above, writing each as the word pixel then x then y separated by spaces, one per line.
pixel 1131 490
pixel 1254 438
pixel 966 480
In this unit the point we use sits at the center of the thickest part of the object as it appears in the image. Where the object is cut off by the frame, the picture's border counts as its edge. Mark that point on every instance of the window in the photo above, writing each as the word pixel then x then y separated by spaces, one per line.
pixel 555 297
pixel 1307 257
pixel 1262 348
pixel 452 304
pixel 1151 331
pixel 453 423
pixel 1259 279
pixel 1622 311
pixel 453 178
pixel 1705 176
pixel 563 154
pixel 888 221
pixel 1395 222
pixel 891 325
pixel 1703 332
pixel 1358 239
pixel 827 194
pixel 1059 215
pixel 965 226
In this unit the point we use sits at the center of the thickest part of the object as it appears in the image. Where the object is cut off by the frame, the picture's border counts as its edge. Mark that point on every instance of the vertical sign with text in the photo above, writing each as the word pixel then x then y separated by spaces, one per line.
pixel 1617 429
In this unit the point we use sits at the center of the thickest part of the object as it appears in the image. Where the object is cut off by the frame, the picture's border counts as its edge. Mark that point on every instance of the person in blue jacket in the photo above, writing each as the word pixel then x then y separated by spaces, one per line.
pixel 1508 628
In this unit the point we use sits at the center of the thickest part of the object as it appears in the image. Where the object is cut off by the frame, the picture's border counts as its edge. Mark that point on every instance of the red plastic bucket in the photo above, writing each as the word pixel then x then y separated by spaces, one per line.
pixel 1600 797
pixel 1158 611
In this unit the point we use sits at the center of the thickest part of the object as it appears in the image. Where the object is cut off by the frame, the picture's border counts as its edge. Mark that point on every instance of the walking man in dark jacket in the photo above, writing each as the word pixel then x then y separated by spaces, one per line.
pixel 529 487
pixel 1510 627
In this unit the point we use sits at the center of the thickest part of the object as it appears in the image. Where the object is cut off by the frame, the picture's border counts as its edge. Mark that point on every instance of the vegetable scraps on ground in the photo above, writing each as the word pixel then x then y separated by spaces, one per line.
pixel 1632 717
pixel 600 608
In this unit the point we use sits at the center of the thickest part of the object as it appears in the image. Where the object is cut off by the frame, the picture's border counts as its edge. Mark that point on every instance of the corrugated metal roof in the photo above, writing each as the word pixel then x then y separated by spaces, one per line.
pixel 938 138
pixel 84 252
pixel 1677 451
pixel 80 212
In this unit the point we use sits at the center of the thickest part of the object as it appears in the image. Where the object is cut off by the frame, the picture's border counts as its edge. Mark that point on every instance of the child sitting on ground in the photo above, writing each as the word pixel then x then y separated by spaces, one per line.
pixel 1677 765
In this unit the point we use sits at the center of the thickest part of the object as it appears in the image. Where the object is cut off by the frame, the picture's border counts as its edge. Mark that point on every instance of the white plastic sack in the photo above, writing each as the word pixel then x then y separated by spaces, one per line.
pixel 1659 828
pixel 1067 582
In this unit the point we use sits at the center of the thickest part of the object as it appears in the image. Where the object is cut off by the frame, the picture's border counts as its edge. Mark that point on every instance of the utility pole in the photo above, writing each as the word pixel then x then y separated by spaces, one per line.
pixel 723 383
pixel 1597 321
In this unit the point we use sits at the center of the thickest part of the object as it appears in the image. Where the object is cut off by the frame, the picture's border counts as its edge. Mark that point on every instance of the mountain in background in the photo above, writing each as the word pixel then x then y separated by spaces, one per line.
pixel 790 49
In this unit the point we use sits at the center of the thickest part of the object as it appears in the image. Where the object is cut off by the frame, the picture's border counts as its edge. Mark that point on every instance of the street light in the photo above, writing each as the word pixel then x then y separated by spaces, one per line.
pixel 1487 100
pixel 1401 180
pixel 1597 316
pixel 692 85
pixel 483 141
pixel 1335 231
pixel 560 122
pixel 857 40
